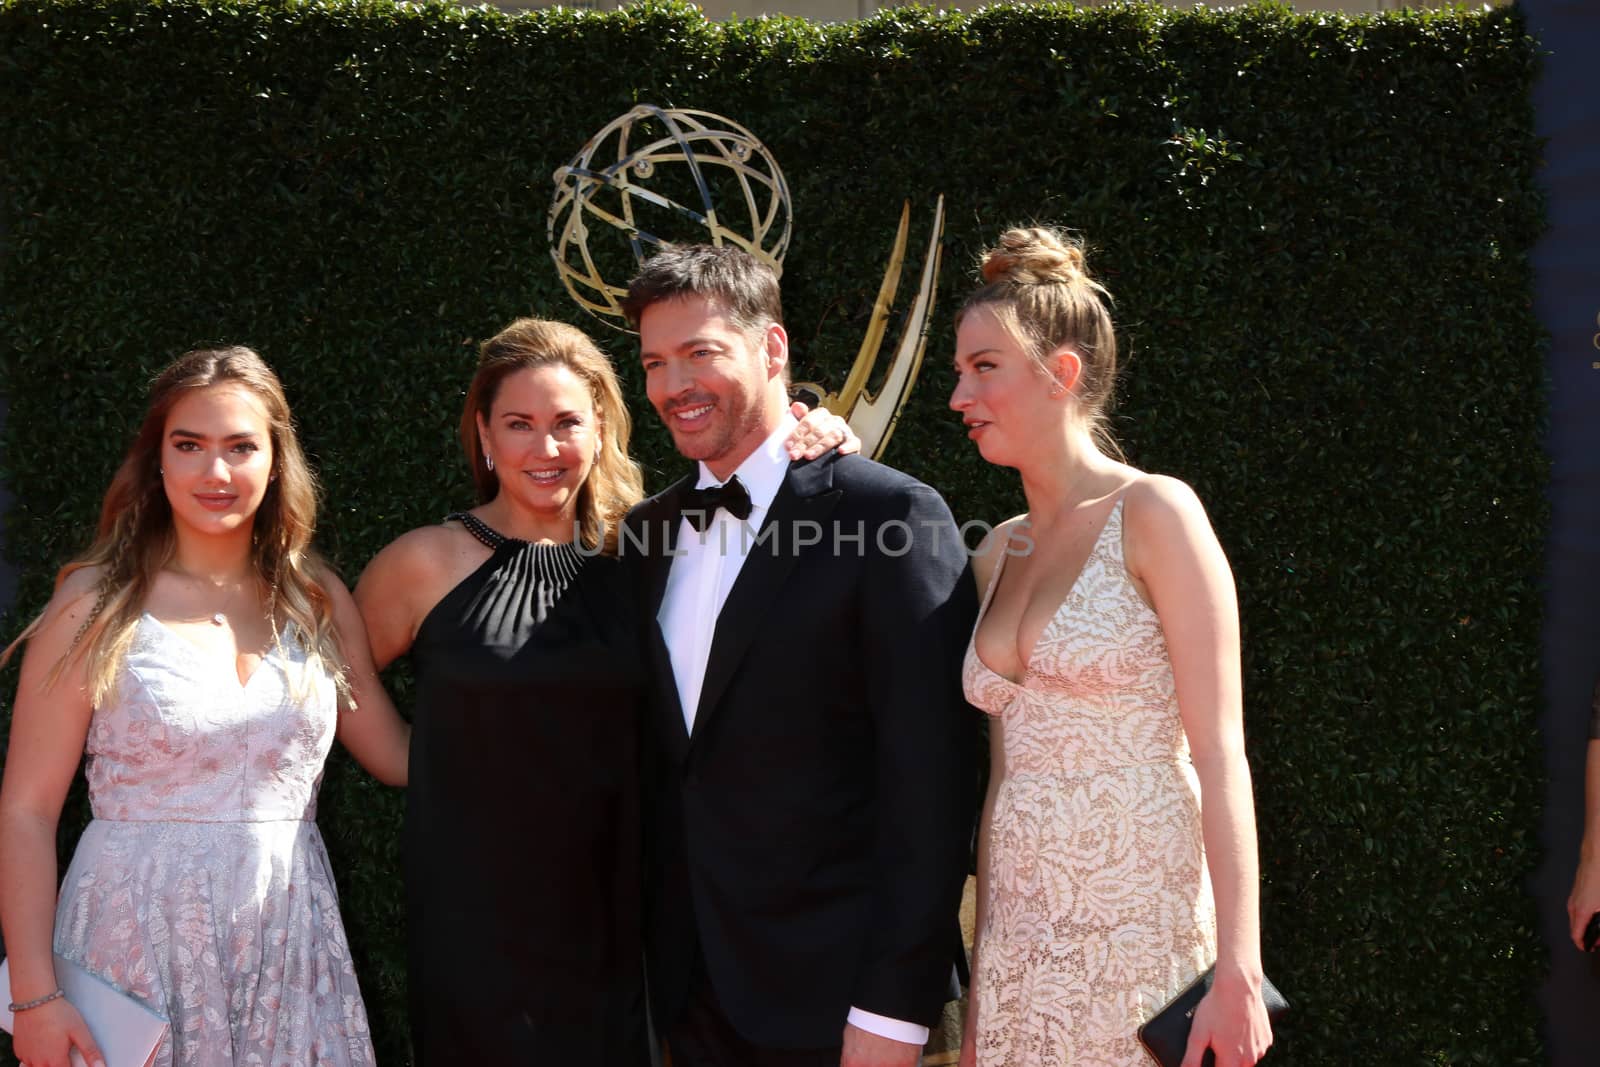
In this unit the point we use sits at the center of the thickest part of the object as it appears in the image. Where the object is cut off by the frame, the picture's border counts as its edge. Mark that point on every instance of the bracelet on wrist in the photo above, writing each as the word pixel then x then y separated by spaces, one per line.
pixel 39 1003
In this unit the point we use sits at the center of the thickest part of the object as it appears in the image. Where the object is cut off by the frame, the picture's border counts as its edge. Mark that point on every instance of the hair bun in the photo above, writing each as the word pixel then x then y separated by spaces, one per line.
pixel 1034 256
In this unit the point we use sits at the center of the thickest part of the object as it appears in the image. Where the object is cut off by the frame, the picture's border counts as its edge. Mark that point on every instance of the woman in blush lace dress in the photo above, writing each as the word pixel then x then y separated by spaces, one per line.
pixel 205 659
pixel 1117 852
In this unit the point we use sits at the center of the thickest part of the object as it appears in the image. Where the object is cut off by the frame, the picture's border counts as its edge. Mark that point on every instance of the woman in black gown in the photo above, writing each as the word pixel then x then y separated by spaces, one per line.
pixel 521 835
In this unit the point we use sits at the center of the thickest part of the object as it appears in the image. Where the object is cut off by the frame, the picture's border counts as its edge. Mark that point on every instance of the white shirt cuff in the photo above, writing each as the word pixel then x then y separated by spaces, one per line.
pixel 883 1026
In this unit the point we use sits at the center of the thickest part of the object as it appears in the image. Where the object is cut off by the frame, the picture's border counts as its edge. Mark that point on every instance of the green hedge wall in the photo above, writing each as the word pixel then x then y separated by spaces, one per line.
pixel 1316 228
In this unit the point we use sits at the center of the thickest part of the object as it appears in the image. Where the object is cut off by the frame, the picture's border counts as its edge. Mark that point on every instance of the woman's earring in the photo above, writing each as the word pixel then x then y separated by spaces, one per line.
pixel 488 461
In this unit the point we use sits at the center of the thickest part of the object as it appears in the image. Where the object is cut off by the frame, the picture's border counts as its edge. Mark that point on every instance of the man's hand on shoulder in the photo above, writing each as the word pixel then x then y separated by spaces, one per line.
pixel 865 1049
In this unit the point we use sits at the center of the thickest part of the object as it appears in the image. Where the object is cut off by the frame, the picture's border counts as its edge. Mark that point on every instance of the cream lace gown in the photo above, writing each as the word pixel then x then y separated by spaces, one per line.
pixel 1098 908
pixel 202 887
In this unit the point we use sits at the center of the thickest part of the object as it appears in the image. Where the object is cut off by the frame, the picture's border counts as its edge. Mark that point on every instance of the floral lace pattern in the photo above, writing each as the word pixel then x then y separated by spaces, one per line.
pixel 1098 909
pixel 202 886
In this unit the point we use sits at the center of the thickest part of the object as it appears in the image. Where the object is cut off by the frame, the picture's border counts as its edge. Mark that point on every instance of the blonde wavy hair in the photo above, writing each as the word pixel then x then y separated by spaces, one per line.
pixel 135 537
pixel 614 484
pixel 1036 282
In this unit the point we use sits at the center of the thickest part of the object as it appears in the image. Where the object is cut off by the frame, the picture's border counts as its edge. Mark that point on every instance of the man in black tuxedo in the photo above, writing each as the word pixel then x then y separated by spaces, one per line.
pixel 809 816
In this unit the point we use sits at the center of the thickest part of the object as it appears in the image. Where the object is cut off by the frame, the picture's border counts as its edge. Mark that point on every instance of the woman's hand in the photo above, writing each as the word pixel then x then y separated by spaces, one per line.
pixel 44 1036
pixel 1231 1021
pixel 819 430
pixel 1584 900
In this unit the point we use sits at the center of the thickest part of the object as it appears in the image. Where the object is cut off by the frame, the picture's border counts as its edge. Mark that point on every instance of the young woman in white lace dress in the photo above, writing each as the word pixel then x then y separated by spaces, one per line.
pixel 1117 853
pixel 205 659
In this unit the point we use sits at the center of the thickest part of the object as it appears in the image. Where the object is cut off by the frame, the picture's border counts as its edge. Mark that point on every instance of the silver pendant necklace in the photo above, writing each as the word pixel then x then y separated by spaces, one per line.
pixel 218 618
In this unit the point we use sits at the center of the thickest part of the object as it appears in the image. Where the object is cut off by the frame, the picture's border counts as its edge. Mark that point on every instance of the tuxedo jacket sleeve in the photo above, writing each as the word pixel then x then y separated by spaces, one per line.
pixel 918 607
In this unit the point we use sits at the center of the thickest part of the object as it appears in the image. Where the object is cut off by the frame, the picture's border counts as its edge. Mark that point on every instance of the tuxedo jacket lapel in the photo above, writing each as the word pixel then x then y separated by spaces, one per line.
pixel 807 496
pixel 659 540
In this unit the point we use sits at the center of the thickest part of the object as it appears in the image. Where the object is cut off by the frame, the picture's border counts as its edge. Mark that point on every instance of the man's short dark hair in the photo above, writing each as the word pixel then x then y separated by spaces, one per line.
pixel 746 287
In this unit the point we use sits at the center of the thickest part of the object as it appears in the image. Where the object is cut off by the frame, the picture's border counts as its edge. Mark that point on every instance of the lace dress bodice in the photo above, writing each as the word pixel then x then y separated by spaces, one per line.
pixel 181 739
pixel 1102 656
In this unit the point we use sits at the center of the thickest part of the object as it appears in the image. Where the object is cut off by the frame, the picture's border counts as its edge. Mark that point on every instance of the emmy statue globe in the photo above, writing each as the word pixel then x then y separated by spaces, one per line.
pixel 659 175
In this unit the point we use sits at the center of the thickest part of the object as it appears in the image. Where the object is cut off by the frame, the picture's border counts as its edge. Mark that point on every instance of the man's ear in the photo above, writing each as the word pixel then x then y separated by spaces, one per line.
pixel 775 346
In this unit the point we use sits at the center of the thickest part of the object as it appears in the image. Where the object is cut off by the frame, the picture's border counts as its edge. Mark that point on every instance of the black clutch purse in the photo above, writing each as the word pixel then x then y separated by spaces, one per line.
pixel 1591 933
pixel 1166 1035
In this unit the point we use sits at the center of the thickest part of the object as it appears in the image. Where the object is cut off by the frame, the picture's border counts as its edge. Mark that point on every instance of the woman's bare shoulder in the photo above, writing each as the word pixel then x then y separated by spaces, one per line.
pixel 1156 503
pixel 420 565
pixel 75 594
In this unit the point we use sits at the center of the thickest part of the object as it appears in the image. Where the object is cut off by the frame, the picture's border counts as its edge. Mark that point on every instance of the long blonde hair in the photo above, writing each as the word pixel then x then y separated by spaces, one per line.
pixel 614 484
pixel 135 538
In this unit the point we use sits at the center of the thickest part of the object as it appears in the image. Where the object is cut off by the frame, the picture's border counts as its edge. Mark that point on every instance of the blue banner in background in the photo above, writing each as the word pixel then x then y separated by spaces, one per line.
pixel 1567 297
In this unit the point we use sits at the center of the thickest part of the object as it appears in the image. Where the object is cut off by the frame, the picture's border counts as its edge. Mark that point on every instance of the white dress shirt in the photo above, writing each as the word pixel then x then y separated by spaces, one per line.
pixel 706 564
pixel 703 571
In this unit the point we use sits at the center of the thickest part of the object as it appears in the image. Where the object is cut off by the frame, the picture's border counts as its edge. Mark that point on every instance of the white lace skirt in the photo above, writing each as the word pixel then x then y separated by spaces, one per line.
pixel 1099 911
pixel 230 929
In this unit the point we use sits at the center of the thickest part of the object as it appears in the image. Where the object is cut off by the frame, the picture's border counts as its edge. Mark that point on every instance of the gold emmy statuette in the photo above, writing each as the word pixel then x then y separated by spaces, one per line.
pixel 656 175
pixel 873 416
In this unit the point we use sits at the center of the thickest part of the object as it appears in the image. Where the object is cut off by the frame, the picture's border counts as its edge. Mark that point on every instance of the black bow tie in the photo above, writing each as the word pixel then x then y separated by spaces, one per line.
pixel 699 505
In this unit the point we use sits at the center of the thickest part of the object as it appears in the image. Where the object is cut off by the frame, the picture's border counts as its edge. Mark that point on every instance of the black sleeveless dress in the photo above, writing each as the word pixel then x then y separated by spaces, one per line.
pixel 522 826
